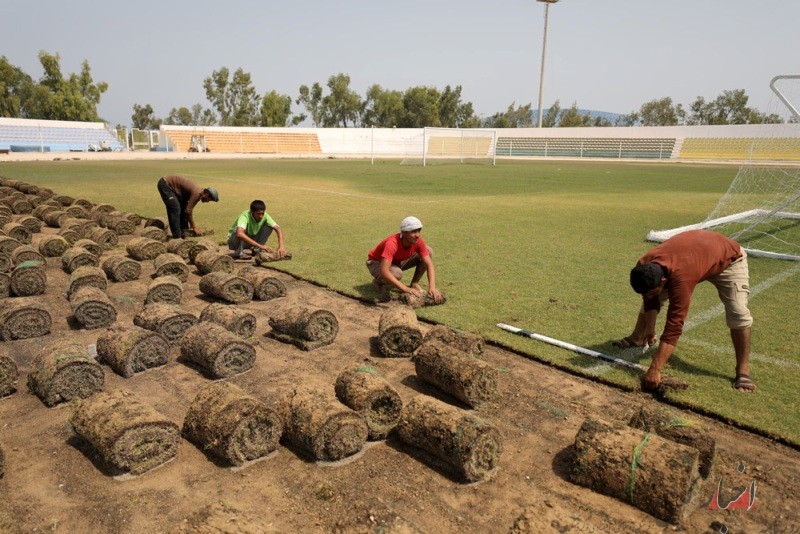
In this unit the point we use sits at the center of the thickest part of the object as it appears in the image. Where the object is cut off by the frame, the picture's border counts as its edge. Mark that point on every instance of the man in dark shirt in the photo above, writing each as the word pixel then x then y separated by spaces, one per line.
pixel 180 195
pixel 671 271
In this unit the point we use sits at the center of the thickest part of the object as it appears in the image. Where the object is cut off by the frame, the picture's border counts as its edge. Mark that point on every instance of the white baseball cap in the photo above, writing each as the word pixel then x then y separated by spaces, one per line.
pixel 409 224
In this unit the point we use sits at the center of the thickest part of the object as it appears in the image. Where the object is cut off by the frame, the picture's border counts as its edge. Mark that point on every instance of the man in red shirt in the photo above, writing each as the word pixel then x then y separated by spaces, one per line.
pixel 180 196
pixel 399 252
pixel 671 271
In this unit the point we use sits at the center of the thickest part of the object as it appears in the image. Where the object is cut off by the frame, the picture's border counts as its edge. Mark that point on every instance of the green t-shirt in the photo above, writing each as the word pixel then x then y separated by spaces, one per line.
pixel 250 225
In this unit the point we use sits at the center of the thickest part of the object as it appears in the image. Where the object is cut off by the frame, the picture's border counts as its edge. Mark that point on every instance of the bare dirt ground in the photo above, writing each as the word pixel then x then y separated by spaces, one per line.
pixel 53 483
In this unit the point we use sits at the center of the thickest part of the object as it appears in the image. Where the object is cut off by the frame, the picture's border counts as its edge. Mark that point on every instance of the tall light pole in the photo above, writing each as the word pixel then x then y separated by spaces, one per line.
pixel 544 53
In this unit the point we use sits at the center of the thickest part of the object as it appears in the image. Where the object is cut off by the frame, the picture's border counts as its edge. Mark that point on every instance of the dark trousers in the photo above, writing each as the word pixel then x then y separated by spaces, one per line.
pixel 176 210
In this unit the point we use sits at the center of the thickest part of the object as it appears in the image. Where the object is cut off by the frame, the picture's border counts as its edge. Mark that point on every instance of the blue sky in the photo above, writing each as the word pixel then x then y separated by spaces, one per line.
pixel 609 55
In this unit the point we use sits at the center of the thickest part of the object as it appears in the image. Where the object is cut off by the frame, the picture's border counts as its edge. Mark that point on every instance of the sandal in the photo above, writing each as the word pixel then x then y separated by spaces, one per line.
pixel 744 384
pixel 625 343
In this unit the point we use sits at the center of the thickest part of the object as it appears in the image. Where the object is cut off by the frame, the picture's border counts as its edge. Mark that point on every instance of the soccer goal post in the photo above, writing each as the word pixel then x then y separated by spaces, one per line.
pixel 437 146
pixel 761 209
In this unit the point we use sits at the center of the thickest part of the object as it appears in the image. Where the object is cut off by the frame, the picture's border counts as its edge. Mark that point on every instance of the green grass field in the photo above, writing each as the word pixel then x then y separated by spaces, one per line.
pixel 545 246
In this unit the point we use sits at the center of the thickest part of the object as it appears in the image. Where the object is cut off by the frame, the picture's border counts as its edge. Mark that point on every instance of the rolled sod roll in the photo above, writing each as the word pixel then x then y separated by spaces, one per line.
pixel 305 327
pixel 75 257
pixel 86 276
pixel 18 232
pixel 64 200
pixel 23 318
pixel 5 262
pixel 169 264
pixel 167 320
pixel 240 322
pixel 226 286
pixel 151 232
pixel 131 349
pixel 76 211
pixel 166 289
pixel 419 302
pixel 5 219
pixel 470 446
pixel 88 244
pixel 127 433
pixel 120 268
pixel 265 286
pixel 104 208
pixel 8 244
pixel 120 226
pixel 226 422
pixel 465 377
pixel 52 246
pixel 211 261
pixel 64 371
pixel 200 245
pixel 264 257
pixel 5 285
pixel 133 218
pixel 181 247
pixel 322 426
pixel 54 218
pixel 21 206
pixel 79 225
pixel 159 222
pixel 143 248
pixel 470 343
pixel 30 222
pixel 42 209
pixel 107 239
pixel 26 253
pixel 399 334
pixel 361 389
pixel 28 279
pixel 70 235
pixel 217 351
pixel 8 375
pixel 84 203
pixel 641 468
pixel 674 427
pixel 92 308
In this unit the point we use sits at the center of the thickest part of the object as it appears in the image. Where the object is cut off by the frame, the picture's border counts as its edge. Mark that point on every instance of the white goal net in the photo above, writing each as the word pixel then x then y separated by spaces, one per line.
pixel 761 209
pixel 436 146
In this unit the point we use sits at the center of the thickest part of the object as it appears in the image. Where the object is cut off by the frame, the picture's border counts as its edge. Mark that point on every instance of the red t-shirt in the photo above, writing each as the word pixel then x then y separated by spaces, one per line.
pixel 689 258
pixel 392 249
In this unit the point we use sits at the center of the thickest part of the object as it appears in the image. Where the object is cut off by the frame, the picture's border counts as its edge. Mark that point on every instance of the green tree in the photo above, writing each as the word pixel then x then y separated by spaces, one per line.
pixel 572 118
pixel 234 99
pixel 519 117
pixel 74 98
pixel 453 113
pixel 421 105
pixel 203 117
pixel 730 107
pixel 14 84
pixel 342 105
pixel 181 117
pixel 311 99
pixel 661 112
pixel 276 110
pixel 144 118
pixel 550 117
pixel 383 108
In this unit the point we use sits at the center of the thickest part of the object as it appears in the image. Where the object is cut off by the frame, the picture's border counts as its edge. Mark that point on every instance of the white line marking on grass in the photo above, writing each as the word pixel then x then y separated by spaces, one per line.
pixel 326 191
pixel 704 317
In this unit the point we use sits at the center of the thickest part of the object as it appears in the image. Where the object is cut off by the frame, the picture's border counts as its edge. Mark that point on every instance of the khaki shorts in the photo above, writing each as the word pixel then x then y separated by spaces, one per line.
pixel 733 287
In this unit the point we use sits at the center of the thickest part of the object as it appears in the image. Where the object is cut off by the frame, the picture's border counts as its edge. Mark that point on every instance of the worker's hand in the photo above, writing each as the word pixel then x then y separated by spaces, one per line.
pixel 650 339
pixel 651 380
pixel 416 291
pixel 265 248
pixel 436 295
pixel 281 252
pixel 197 231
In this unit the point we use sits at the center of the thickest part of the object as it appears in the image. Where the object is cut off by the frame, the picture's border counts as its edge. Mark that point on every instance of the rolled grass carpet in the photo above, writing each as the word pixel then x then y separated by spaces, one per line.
pixel 239 321
pixel 151 232
pixel 86 276
pixel 28 279
pixel 200 245
pixel 92 308
pixel 640 468
pixel 169 264
pixel 8 375
pixel 453 371
pixel 75 257
pixel 226 422
pixel 130 349
pixel 128 434
pixel 226 286
pixel 5 285
pixel 218 352
pixel 121 268
pixel 30 222
pixel 181 247
pixel 71 236
pixel 89 245
pixel 143 248
pixel 305 327
pixel 23 318
pixel 318 424
pixel 18 232
pixel 419 302
pixel 166 289
pixel 468 445
pixel 675 427
pixel 211 261
pixel 107 239
pixel 362 390
pixel 167 320
pixel 466 341
pixel 265 286
pixel 399 334
pixel 64 371
pixel 26 253
pixel 264 257
pixel 8 244
pixel 5 262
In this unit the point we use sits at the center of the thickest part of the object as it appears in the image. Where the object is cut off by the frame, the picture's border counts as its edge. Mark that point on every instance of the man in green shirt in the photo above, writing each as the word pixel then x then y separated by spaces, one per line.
pixel 252 229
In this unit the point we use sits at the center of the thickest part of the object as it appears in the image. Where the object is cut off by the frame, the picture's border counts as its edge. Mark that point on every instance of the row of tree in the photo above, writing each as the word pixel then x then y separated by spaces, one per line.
pixel 234 101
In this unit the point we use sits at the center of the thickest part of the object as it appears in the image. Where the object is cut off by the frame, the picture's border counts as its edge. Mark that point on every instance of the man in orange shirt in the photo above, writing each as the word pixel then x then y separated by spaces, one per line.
pixel 671 271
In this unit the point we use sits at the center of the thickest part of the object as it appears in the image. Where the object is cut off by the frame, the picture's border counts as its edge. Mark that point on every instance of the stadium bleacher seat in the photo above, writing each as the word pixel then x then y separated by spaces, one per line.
pixel 741 148
pixel 246 141
pixel 586 147
pixel 54 136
